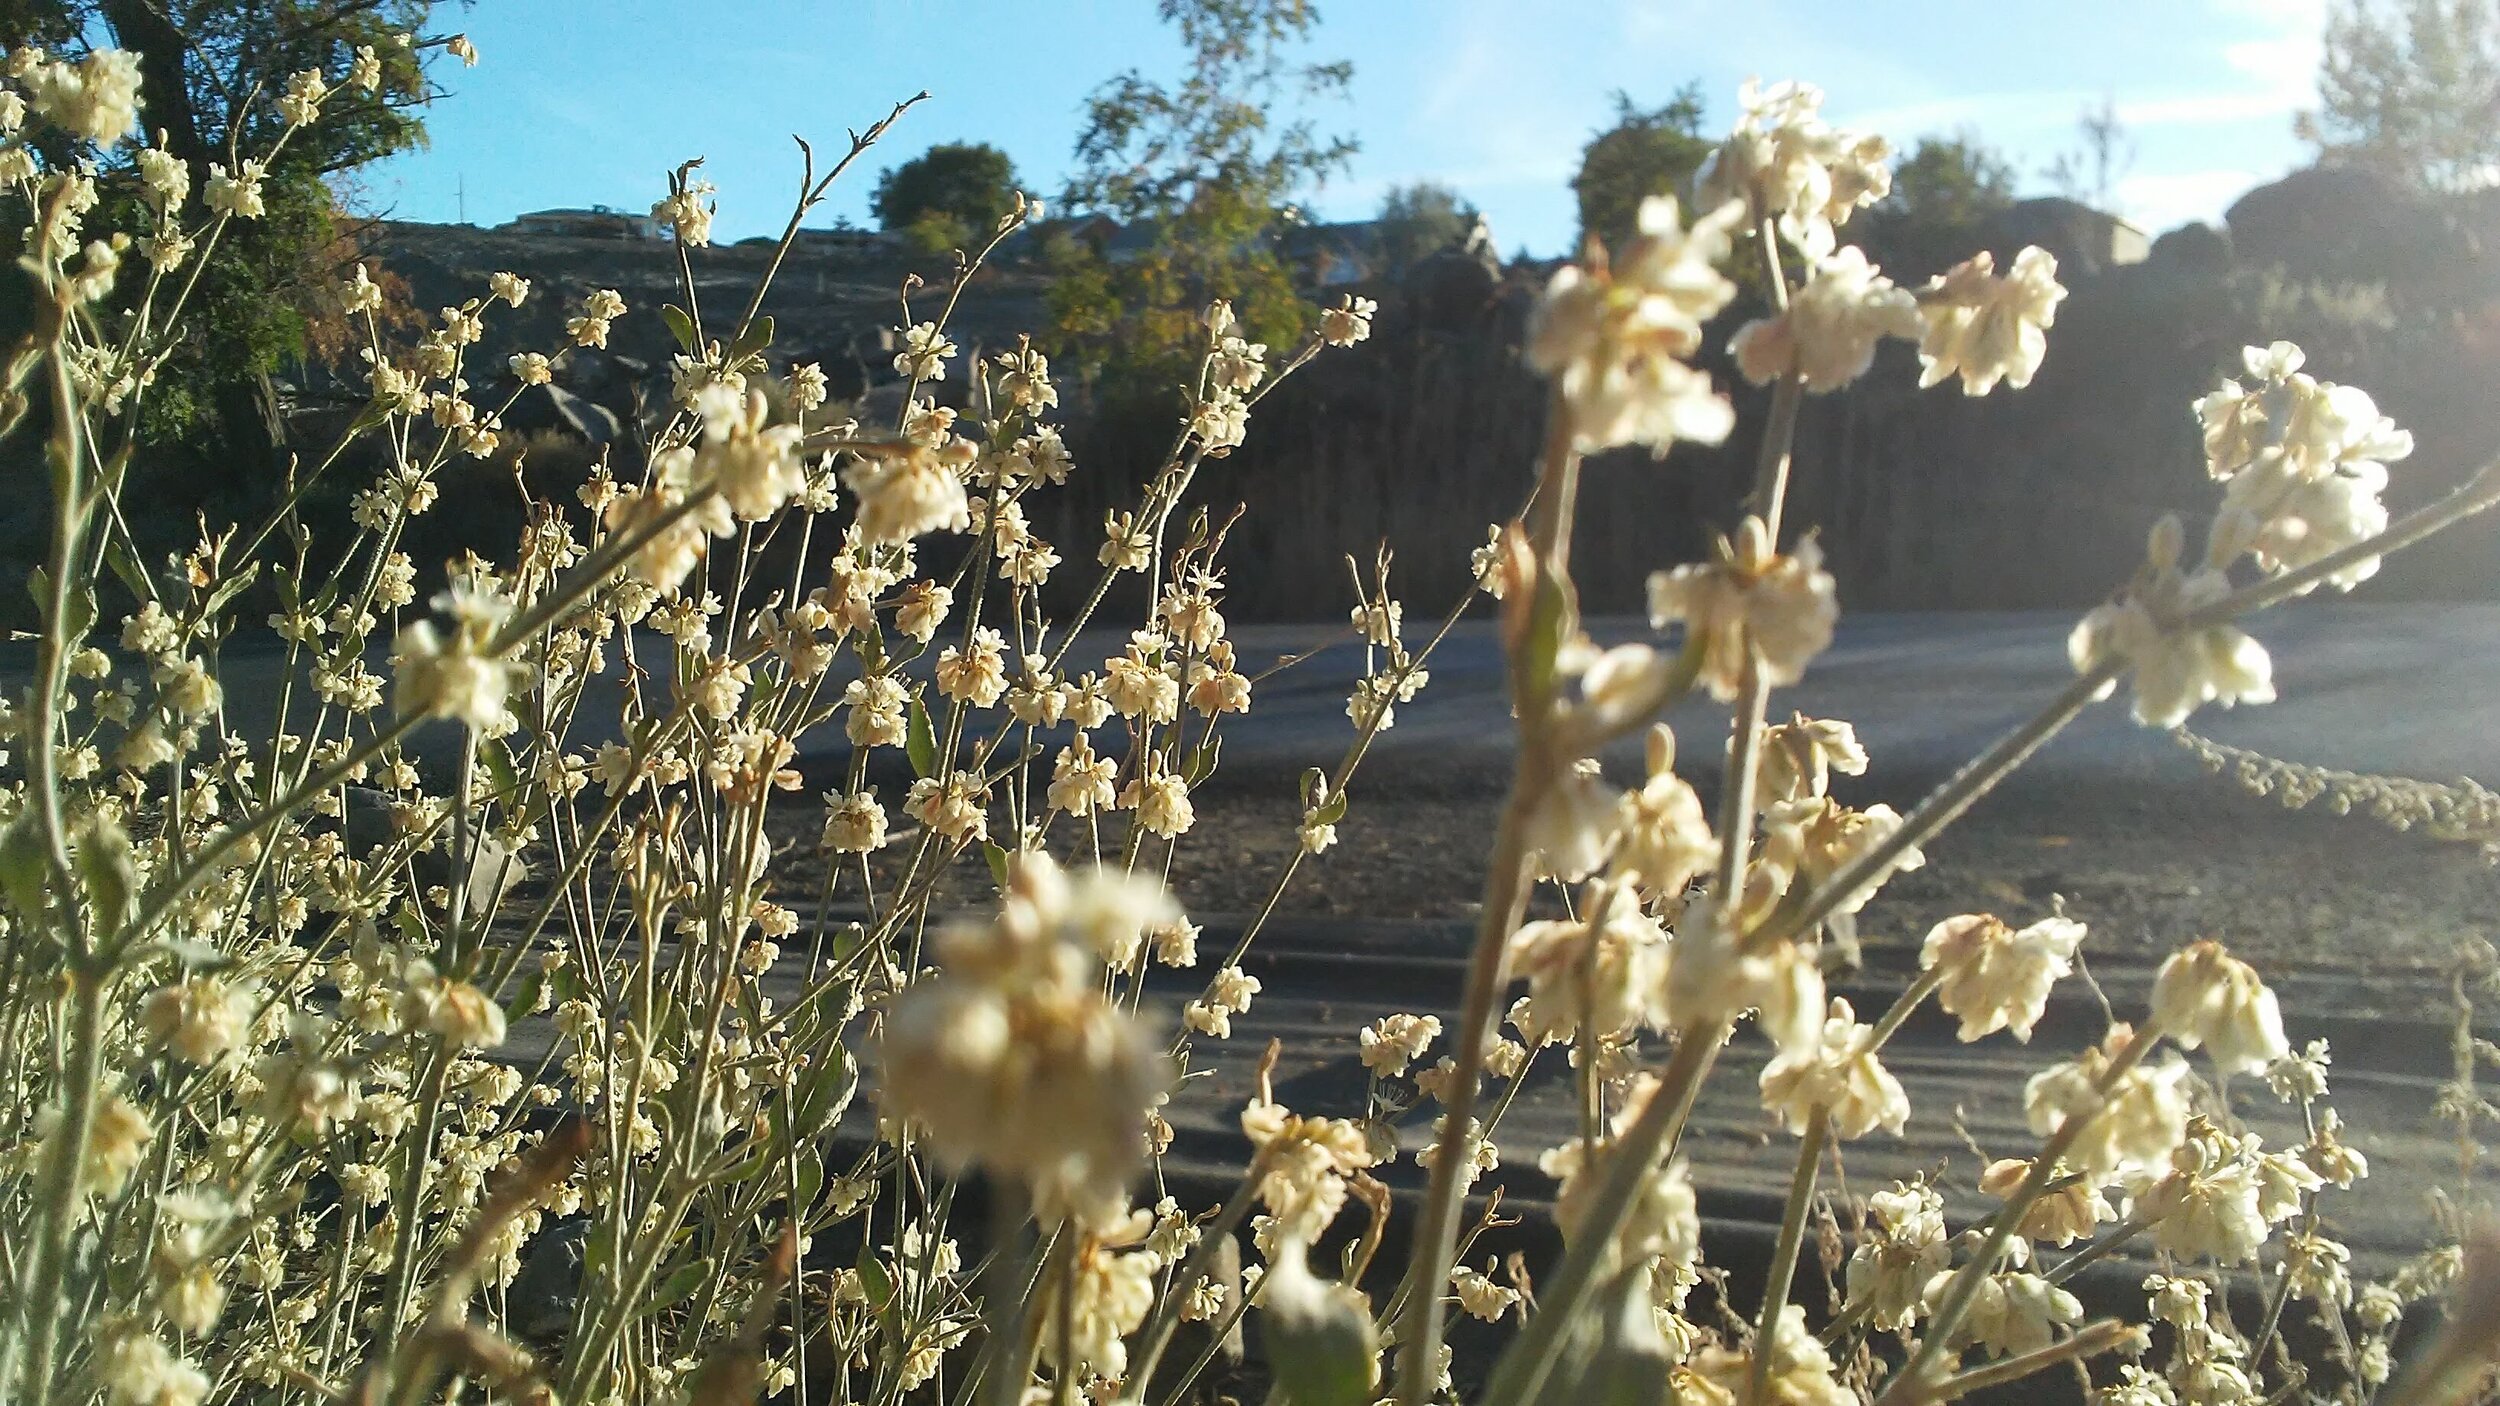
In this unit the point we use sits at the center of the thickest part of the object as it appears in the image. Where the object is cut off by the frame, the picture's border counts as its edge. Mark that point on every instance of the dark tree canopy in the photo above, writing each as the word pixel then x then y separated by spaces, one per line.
pixel 210 71
pixel 1944 193
pixel 1422 219
pixel 1649 151
pixel 1213 159
pixel 949 196
pixel 2410 89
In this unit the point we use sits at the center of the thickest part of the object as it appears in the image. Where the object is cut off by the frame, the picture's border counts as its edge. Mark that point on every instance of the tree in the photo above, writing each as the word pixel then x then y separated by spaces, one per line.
pixel 948 197
pixel 2104 153
pixel 209 71
pixel 1213 161
pixel 1420 220
pixel 2411 90
pixel 1647 152
pixel 1944 193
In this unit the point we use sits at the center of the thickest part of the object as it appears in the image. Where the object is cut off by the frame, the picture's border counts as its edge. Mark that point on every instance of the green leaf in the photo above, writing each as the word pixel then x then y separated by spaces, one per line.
pixel 1201 763
pixel 920 741
pixel 998 862
pixel 109 872
pixel 680 326
pixel 1321 1350
pixel 499 768
pixel 678 1287
pixel 874 1282
pixel 824 1095
pixel 1334 811
pixel 757 338
pixel 126 568
pixel 228 589
pixel 22 869
pixel 1533 665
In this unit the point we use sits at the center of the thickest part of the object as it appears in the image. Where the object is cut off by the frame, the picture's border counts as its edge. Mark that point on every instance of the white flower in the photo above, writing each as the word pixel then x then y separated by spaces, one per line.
pixel 238 194
pixel 2175 670
pixel 1841 1076
pixel 1987 329
pixel 1663 1220
pixel 1574 825
pixel 1789 165
pixel 1013 1060
pixel 2142 1118
pixel 464 1016
pixel 450 679
pixel 1350 321
pixel 1827 336
pixel 1752 607
pixel 95 100
pixel 1480 1296
pixel 854 823
pixel 2012 1313
pixel 1614 336
pixel 1904 1247
pixel 1665 836
pixel 687 213
pixel 925 352
pixel 140 1370
pixel 301 103
pixel 508 286
pixel 1393 1042
pixel 200 1019
pixel 912 493
pixel 755 467
pixel 1301 1165
pixel 1994 977
pixel 1608 970
pixel 1801 1368
pixel 2206 997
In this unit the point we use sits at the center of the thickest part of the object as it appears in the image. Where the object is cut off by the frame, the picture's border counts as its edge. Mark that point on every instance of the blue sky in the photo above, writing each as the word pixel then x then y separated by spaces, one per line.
pixel 580 102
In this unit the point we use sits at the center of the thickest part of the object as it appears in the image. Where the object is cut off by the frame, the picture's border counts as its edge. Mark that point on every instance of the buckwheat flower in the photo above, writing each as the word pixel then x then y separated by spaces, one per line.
pixel 976 674
pixel 365 70
pixel 464 1016
pixel 2012 1313
pixel 1801 1368
pixel 809 388
pixel 1613 336
pixel 1996 978
pixel 1350 321
pixel 1221 422
pixel 1082 783
pixel 2175 671
pixel 1812 841
pixel 167 179
pixel 1161 800
pixel 920 608
pixel 439 678
pixel 1024 379
pixel 1753 608
pixel 910 494
pixel 95 99
pixel 925 353
pixel 1791 166
pixel 238 194
pixel 1709 974
pixel 508 286
pixel 118 1135
pixel 1987 329
pixel 1574 825
pixel 2059 1217
pixel 300 105
pixel 460 47
pixel 1237 366
pixel 12 113
pixel 1480 1296
pixel 1175 942
pixel 1840 1076
pixel 1227 996
pixel 1013 1060
pixel 1393 1042
pixel 200 1019
pixel 1110 1294
pixel 1607 969
pixel 1663 1220
pixel 1904 1247
pixel 2330 1156
pixel 2208 1204
pixel 956 806
pixel 1827 335
pixel 188 688
pixel 2135 1126
pixel 1139 684
pixel 140 1370
pixel 754 466
pixel 2204 996
pixel 688 214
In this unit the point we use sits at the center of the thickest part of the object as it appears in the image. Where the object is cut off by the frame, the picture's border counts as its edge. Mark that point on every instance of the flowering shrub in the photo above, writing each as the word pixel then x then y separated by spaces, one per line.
pixel 334 1073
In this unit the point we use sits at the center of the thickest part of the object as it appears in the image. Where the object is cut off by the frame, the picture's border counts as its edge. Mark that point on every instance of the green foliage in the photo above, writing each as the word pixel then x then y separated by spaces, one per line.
pixel 210 69
pixel 1944 193
pixel 2411 89
pixel 1652 151
pixel 1211 162
pixel 947 197
pixel 1422 219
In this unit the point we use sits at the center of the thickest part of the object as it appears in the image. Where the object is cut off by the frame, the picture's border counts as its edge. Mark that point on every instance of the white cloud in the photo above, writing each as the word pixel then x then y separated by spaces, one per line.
pixel 2157 202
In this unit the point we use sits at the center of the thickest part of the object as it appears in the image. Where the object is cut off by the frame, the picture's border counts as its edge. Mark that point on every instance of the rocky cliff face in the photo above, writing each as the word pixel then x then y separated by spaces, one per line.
pixel 1424 435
